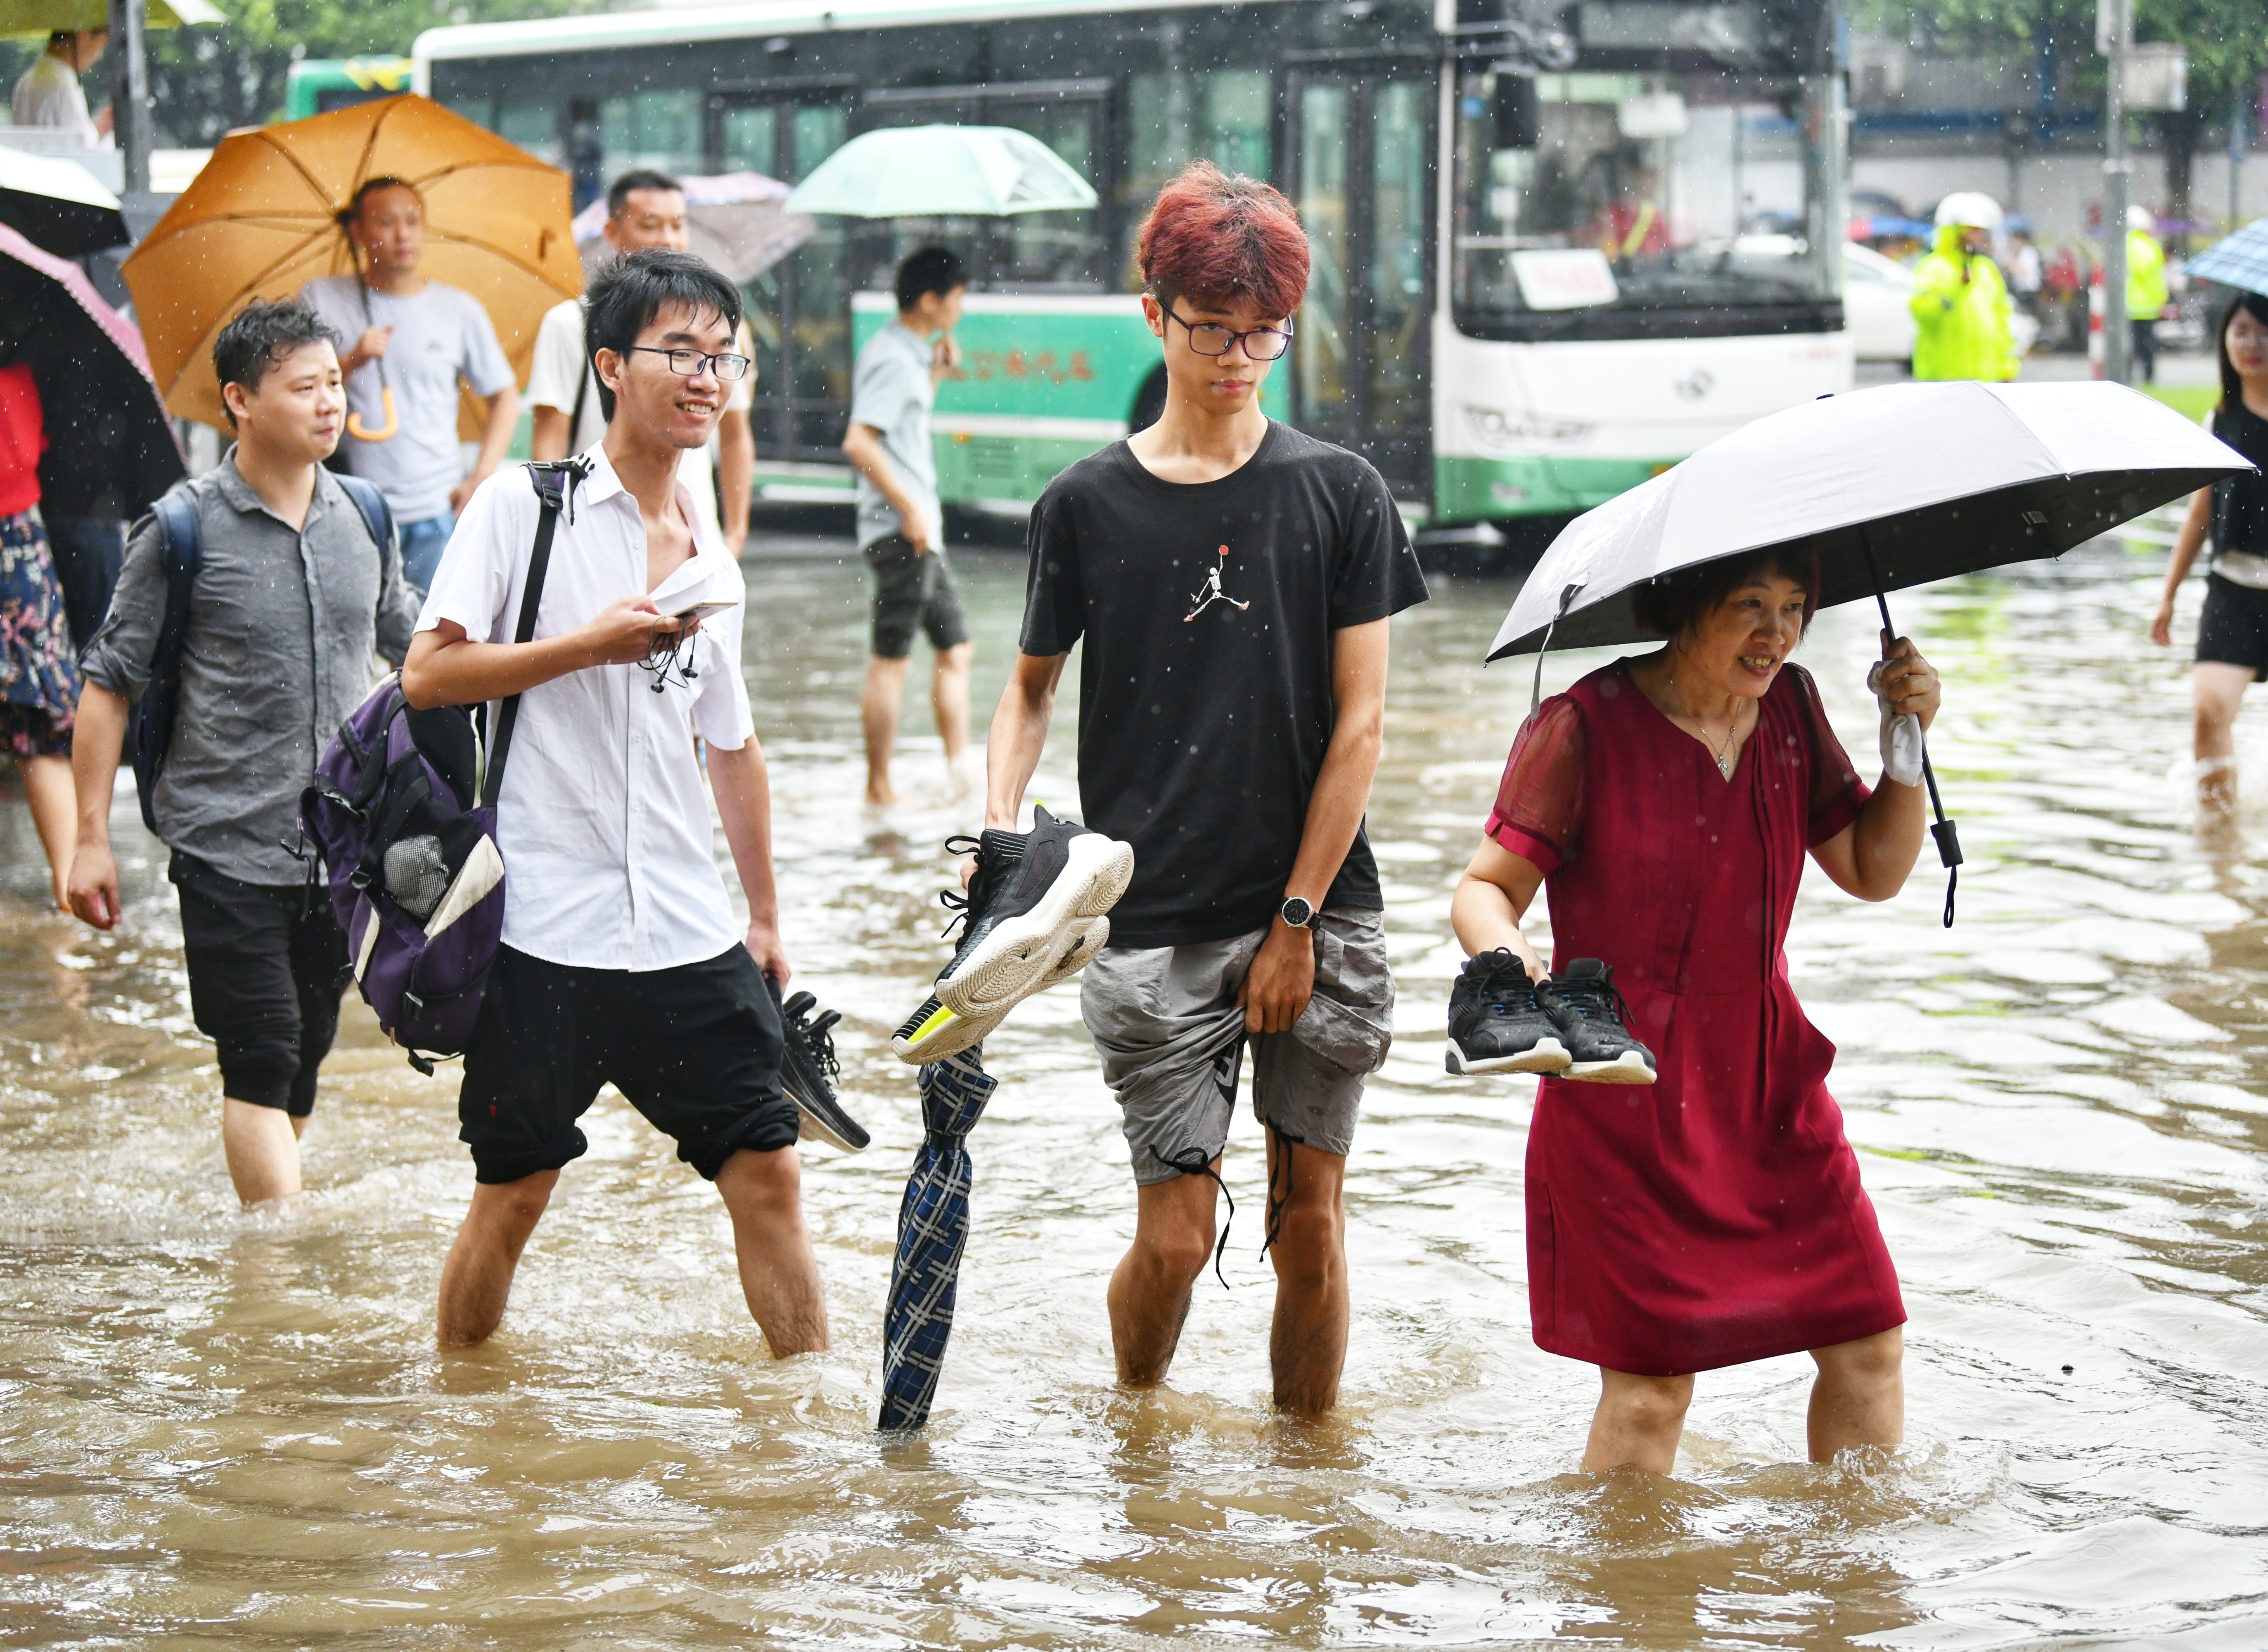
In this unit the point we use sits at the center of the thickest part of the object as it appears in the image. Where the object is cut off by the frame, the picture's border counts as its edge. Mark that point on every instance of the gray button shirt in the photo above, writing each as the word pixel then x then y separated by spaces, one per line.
pixel 283 628
pixel 891 390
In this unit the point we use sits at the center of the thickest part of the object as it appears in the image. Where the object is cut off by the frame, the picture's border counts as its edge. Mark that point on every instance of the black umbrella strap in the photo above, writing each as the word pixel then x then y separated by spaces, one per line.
pixel 1192 1161
pixel 1566 601
pixel 1285 1142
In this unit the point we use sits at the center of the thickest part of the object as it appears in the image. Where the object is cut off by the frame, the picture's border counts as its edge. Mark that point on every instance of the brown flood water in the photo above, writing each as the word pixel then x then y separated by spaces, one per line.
pixel 221 1428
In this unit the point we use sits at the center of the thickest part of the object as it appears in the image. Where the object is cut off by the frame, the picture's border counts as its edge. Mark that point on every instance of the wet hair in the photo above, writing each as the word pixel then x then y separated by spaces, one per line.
pixel 1675 603
pixel 69 37
pixel 1222 240
pixel 619 192
pixel 2232 386
pixel 259 336
pixel 937 270
pixel 368 188
pixel 629 294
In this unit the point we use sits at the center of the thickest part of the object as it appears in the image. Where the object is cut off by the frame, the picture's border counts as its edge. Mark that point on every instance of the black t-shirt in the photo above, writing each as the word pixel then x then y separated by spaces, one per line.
pixel 1204 707
pixel 2239 503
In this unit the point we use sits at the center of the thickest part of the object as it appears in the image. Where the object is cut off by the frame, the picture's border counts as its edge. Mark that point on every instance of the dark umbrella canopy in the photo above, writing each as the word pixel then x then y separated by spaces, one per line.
pixel 111 447
pixel 932 1233
pixel 57 206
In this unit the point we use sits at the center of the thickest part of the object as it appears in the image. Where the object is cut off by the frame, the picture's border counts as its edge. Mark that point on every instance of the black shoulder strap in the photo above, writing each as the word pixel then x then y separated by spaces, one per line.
pixel 553 482
pixel 371 502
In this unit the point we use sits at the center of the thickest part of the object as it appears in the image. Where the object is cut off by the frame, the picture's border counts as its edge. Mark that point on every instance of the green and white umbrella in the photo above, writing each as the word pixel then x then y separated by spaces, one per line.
pixel 907 172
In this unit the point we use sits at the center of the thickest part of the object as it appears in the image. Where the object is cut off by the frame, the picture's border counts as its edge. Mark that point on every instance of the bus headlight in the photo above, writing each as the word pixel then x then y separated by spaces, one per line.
pixel 1508 432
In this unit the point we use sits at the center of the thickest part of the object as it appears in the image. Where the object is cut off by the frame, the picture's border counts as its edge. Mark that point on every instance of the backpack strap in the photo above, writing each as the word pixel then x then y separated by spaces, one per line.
pixel 371 502
pixel 555 483
pixel 181 551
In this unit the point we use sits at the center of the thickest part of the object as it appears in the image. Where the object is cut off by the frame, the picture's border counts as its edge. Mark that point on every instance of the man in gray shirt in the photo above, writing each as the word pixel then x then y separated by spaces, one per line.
pixel 899 523
pixel 291 600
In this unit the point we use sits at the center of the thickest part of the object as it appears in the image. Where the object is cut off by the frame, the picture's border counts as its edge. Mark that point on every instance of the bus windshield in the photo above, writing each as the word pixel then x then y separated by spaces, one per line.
pixel 1599 197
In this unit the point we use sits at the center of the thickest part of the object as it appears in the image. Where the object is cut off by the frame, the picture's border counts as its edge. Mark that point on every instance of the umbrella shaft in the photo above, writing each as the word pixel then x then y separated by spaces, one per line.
pixel 1948 840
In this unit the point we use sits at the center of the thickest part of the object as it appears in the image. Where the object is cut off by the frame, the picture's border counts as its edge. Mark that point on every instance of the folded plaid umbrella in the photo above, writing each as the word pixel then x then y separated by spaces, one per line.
pixel 932 1232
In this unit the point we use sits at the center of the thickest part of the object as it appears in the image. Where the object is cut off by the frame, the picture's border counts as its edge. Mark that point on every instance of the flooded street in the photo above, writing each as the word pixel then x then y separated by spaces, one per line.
pixel 222 1429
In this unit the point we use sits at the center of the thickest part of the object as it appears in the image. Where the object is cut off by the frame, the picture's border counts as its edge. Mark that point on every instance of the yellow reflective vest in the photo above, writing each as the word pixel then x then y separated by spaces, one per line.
pixel 1961 314
pixel 2145 276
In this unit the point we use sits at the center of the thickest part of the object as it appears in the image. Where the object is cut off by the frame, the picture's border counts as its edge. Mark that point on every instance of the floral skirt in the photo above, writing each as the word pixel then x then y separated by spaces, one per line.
pixel 39 679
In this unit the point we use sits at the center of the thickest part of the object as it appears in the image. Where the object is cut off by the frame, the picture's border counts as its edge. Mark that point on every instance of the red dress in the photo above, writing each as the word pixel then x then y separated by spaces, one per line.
pixel 1715 1216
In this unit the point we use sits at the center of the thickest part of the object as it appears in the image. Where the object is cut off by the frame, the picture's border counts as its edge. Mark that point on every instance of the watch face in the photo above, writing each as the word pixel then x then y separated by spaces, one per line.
pixel 1297 914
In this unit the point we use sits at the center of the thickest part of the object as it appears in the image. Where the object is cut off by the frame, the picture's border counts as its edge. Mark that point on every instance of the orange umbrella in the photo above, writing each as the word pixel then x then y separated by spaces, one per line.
pixel 260 221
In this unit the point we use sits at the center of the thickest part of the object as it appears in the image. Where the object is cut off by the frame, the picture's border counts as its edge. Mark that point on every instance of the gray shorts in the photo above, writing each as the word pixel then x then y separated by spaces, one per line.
pixel 1172 1038
pixel 913 594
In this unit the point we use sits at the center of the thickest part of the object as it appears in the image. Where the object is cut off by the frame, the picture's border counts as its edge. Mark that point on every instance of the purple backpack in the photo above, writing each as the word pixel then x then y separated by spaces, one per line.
pixel 405 823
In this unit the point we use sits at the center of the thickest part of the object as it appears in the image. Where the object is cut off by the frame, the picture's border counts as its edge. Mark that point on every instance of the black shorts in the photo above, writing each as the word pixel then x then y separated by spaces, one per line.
pixel 267 964
pixel 2233 630
pixel 912 592
pixel 697 1049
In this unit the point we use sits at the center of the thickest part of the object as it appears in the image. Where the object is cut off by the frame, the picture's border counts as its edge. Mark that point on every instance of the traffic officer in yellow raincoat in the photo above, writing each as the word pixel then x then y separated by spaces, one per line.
pixel 2146 288
pixel 1959 303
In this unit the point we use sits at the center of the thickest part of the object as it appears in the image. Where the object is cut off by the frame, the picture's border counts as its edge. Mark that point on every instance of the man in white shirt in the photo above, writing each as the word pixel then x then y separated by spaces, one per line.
pixel 48 93
pixel 644 208
pixel 415 341
pixel 622 962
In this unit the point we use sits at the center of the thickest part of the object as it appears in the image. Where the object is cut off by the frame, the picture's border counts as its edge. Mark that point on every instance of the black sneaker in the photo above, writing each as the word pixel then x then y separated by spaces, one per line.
pixel 808 1067
pixel 1034 914
pixel 1583 1001
pixel 1496 1025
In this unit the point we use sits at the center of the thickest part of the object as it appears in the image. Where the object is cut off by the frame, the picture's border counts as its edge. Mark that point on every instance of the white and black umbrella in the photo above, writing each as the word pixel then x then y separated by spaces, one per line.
pixel 1890 487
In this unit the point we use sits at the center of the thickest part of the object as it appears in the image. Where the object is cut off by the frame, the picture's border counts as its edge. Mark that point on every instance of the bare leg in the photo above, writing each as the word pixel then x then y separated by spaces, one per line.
pixel 948 697
pixel 878 708
pixel 1639 1422
pixel 476 1279
pixel 55 813
pixel 1860 1398
pixel 1150 1291
pixel 263 1147
pixel 2219 691
pixel 778 1274
pixel 1306 1345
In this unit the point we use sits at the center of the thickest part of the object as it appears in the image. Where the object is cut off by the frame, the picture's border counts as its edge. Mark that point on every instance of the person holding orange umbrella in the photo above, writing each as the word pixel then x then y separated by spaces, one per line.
pixel 403 390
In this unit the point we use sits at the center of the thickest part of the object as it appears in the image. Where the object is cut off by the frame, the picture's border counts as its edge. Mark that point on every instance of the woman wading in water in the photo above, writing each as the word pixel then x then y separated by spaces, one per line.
pixel 2232 648
pixel 1714 1216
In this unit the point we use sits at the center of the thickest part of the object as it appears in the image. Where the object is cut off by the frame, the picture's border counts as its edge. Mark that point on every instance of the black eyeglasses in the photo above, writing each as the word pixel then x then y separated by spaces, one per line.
pixel 1213 338
pixel 690 364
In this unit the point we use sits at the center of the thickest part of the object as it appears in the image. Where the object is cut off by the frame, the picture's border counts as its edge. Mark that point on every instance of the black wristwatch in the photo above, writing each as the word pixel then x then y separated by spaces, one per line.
pixel 1297 914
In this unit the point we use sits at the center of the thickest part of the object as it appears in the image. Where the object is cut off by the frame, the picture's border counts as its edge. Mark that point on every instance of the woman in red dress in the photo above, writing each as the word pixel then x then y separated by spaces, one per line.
pixel 1666 804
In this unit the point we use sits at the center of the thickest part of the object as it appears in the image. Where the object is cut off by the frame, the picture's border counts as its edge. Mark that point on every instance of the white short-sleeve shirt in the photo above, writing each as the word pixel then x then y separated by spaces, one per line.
pixel 608 849
pixel 562 372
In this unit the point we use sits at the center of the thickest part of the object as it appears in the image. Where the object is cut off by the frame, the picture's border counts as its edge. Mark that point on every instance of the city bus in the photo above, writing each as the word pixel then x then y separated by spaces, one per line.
pixel 1554 249
pixel 317 85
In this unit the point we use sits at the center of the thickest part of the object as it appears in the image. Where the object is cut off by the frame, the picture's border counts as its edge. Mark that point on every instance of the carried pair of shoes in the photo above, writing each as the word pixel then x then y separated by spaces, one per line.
pixel 1036 913
pixel 807 1070
pixel 1569 1025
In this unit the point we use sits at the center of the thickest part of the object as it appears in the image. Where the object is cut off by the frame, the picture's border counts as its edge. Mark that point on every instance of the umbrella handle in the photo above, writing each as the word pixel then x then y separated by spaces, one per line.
pixel 356 429
pixel 1948 839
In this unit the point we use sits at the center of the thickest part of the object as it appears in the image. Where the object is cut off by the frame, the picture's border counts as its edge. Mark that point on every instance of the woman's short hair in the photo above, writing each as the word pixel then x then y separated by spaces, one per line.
pixel 2231 384
pixel 1222 240
pixel 1675 603
pixel 630 294
pixel 261 335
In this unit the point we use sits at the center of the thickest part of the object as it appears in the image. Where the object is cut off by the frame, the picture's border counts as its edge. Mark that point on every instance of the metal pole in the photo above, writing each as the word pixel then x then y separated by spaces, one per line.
pixel 129 91
pixel 2114 28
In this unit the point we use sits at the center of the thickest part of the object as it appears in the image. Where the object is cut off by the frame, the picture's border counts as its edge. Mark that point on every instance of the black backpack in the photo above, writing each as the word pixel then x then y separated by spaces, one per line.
pixel 149 726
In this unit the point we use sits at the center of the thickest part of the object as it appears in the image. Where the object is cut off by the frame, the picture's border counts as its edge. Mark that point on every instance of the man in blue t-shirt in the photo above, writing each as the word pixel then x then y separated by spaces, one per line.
pixel 900 525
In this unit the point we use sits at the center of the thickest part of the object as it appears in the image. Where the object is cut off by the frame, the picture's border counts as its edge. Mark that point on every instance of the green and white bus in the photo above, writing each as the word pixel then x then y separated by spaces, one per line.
pixel 317 85
pixel 1556 247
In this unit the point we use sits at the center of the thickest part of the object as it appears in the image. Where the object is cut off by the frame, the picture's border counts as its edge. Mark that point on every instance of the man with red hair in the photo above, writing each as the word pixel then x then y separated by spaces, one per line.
pixel 1232 580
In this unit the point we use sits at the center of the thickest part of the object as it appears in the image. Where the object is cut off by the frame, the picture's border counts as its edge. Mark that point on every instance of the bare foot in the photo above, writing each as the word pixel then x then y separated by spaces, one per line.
pixel 882 796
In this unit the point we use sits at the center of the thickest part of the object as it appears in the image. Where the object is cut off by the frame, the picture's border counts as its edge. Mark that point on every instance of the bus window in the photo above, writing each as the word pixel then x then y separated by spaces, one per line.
pixel 1693 188
pixel 1397 253
pixel 1054 248
pixel 752 140
pixel 661 130
pixel 1324 321
pixel 1222 116
pixel 534 127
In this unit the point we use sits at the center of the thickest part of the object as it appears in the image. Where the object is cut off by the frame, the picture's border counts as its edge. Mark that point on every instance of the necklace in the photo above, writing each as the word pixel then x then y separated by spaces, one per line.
pixel 1718 750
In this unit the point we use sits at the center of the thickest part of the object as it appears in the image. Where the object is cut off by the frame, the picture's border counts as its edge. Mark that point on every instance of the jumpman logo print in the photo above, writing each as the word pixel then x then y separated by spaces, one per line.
pixel 1212 592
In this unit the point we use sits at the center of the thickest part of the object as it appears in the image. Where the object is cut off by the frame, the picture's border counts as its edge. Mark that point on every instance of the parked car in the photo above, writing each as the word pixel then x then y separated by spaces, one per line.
pixel 1876 291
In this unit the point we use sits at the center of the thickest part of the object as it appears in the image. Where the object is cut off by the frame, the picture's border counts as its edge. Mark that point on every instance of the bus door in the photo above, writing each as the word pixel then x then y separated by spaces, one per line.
pixel 1360 170
pixel 799 310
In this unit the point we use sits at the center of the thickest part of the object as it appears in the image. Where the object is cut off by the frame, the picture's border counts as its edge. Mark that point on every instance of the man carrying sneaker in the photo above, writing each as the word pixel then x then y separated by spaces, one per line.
pixel 622 961
pixel 1233 582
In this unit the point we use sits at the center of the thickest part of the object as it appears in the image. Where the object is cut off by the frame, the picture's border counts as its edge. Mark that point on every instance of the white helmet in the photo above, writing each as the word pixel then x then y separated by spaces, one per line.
pixel 2140 218
pixel 1970 209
